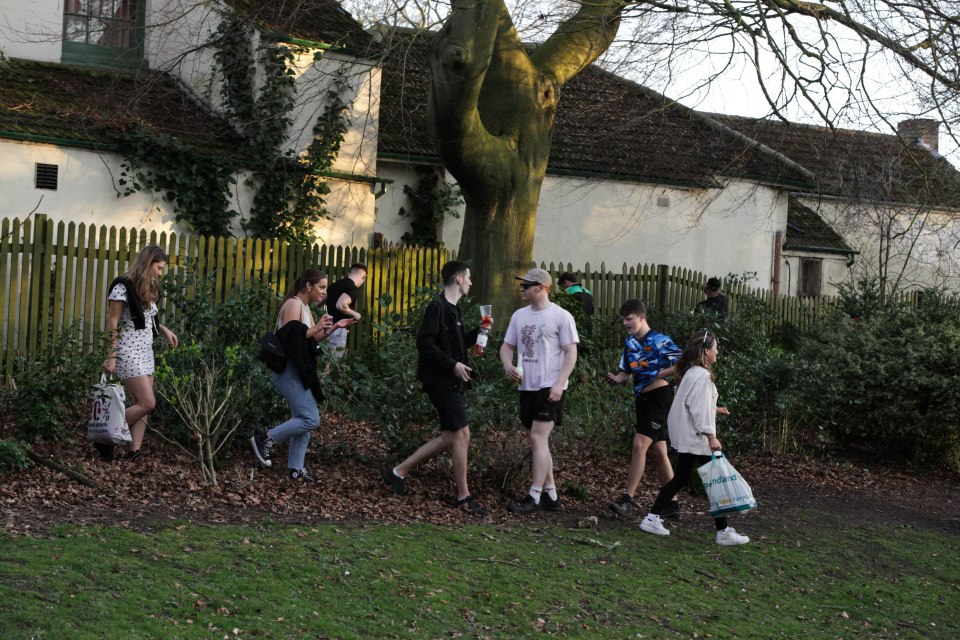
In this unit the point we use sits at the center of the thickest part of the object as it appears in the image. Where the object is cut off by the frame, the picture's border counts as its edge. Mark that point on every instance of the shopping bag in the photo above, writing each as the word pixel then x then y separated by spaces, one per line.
pixel 108 419
pixel 272 352
pixel 726 488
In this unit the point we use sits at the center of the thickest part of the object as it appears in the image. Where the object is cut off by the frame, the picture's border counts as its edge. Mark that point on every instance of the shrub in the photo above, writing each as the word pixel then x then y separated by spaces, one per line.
pixel 51 391
pixel 13 456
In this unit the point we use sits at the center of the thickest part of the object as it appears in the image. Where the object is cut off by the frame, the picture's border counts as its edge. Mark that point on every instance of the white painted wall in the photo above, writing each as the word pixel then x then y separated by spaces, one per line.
pixel 926 253
pixel 31 29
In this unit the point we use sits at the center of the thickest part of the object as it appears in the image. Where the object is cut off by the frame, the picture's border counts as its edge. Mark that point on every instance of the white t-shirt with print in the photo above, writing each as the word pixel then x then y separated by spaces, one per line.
pixel 538 337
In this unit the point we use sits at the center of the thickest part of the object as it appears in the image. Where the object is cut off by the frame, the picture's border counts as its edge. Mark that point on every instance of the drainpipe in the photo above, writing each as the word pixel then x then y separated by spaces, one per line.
pixel 777 259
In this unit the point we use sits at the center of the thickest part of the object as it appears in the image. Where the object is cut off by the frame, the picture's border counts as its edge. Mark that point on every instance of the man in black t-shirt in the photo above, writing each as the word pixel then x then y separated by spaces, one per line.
pixel 342 298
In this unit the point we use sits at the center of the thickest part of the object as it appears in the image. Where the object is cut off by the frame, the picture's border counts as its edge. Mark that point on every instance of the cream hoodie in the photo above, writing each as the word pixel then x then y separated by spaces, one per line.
pixel 693 414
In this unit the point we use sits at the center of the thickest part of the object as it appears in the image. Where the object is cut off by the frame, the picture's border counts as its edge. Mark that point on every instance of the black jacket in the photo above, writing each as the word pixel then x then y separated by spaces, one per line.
pixel 441 344
pixel 301 352
pixel 135 304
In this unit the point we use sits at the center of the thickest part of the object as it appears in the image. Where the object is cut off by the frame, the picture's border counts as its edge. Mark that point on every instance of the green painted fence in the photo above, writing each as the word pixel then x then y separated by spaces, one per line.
pixel 54 274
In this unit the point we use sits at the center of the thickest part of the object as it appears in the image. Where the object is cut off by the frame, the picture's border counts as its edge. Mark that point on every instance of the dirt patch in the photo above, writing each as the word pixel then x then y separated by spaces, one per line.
pixel 164 485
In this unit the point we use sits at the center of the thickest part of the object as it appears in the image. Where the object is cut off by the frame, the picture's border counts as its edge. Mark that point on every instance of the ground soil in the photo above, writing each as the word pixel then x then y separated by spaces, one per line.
pixel 165 485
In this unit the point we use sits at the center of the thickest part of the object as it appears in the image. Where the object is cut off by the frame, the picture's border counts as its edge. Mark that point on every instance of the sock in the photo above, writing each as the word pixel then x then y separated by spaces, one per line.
pixel 535 493
pixel 397 474
pixel 552 492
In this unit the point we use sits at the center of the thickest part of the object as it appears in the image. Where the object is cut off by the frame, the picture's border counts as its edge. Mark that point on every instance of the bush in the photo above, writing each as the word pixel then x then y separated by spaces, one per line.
pixel 51 391
pixel 217 360
pixel 13 456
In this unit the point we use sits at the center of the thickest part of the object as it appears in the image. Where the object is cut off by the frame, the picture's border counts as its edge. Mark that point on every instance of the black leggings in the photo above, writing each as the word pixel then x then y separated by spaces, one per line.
pixel 686 463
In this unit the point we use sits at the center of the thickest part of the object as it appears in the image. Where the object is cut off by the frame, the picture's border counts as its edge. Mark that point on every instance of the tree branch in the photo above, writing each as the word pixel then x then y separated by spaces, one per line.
pixel 579 41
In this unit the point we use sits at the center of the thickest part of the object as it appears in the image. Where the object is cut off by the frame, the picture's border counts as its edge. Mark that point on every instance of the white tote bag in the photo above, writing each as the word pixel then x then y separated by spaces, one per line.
pixel 108 420
pixel 726 488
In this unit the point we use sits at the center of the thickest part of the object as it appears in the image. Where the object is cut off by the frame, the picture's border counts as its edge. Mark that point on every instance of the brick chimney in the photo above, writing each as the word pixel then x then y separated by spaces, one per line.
pixel 923 132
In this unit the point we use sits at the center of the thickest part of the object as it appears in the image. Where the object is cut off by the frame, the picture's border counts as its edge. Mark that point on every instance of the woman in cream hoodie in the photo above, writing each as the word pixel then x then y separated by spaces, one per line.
pixel 693 430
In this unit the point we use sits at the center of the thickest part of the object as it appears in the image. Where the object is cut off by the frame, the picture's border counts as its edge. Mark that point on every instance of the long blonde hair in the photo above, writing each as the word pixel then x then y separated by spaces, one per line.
pixel 146 287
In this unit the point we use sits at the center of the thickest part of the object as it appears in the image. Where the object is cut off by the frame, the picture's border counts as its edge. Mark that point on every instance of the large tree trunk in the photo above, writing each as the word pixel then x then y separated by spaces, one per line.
pixel 492 107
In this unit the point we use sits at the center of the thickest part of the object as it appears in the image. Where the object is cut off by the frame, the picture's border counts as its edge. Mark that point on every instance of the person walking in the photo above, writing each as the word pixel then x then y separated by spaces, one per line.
pixel 342 305
pixel 648 359
pixel 442 368
pixel 546 335
pixel 693 431
pixel 131 327
pixel 299 384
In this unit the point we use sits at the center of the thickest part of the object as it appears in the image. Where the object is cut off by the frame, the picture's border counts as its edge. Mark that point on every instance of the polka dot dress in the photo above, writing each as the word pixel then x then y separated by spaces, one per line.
pixel 134 346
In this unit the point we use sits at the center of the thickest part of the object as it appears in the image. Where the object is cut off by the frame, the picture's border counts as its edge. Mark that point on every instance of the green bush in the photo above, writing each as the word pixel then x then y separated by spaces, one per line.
pixel 888 381
pixel 13 456
pixel 219 344
pixel 51 391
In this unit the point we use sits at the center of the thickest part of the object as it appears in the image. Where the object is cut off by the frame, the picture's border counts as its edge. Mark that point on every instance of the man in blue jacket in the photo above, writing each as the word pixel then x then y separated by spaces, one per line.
pixel 442 347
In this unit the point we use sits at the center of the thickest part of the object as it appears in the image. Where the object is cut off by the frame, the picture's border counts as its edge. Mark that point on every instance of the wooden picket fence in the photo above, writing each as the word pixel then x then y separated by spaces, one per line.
pixel 670 288
pixel 55 275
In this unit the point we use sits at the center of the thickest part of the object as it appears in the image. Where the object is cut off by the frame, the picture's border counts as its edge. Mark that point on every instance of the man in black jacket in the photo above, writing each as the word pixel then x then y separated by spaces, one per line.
pixel 442 368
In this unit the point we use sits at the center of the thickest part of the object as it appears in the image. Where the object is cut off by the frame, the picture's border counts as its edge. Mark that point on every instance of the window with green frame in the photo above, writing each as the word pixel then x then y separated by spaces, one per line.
pixel 103 32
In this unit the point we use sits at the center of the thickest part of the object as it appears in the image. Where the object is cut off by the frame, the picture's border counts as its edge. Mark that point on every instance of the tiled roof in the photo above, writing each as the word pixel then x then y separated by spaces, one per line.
pixel 96 106
pixel 604 125
pixel 858 164
pixel 317 20
pixel 807 231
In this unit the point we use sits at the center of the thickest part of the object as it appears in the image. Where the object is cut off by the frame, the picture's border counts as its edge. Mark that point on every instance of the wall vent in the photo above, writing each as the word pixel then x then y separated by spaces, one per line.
pixel 46 176
pixel 663 201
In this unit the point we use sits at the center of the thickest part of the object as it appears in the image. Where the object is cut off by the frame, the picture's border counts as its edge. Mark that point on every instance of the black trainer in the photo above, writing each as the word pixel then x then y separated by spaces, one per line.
pixel 262 444
pixel 622 505
pixel 527 505
pixel 302 474
pixel 393 481
pixel 104 450
pixel 131 456
pixel 469 505
pixel 672 512
pixel 547 503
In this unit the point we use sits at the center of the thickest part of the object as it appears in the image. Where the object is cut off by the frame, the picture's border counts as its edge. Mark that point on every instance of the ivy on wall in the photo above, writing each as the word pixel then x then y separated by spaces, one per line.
pixel 431 200
pixel 288 192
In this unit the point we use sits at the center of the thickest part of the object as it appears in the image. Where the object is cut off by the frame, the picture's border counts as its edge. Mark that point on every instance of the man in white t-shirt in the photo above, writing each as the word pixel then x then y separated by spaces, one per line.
pixel 547 337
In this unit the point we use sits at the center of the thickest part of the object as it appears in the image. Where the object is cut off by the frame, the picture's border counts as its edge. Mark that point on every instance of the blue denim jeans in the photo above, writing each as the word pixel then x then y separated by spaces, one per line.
pixel 306 416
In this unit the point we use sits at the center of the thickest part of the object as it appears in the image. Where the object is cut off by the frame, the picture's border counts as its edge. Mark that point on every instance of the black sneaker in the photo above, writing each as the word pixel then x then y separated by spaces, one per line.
pixel 131 456
pixel 262 444
pixel 527 505
pixel 622 505
pixel 302 474
pixel 672 512
pixel 549 504
pixel 469 505
pixel 104 450
pixel 393 481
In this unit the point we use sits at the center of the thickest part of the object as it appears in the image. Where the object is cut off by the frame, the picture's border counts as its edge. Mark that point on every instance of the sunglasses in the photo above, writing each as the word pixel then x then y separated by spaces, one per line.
pixel 527 285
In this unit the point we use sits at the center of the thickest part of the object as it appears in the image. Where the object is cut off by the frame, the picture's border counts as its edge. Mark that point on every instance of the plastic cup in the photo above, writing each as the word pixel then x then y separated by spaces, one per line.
pixel 486 311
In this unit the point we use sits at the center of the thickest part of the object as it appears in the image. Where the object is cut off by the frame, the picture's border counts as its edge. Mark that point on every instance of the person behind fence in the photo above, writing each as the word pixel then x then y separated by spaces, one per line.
pixel 648 359
pixel 715 302
pixel 568 282
pixel 442 368
pixel 342 304
pixel 299 384
pixel 693 431
pixel 132 325
pixel 546 335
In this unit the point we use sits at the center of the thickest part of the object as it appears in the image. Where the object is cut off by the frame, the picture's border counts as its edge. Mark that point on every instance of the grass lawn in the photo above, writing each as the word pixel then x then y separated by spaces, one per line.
pixel 424 581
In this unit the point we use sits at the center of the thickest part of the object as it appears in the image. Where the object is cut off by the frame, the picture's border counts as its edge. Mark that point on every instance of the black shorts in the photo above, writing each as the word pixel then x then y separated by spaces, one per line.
pixel 653 408
pixel 451 408
pixel 536 406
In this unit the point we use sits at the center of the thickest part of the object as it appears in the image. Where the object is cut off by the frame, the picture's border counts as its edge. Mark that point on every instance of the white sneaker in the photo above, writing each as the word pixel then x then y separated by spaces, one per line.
pixel 729 538
pixel 653 524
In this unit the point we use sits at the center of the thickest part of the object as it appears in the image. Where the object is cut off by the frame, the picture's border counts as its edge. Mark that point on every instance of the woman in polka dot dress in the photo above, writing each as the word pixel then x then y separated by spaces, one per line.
pixel 132 325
